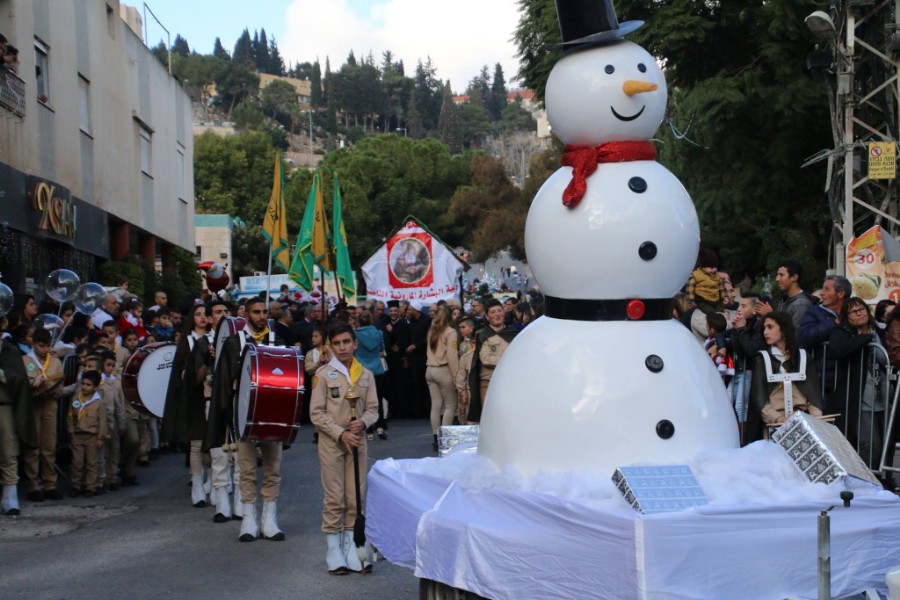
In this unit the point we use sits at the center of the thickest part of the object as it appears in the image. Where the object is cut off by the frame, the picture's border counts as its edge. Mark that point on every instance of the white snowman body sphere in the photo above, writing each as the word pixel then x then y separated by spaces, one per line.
pixel 607 379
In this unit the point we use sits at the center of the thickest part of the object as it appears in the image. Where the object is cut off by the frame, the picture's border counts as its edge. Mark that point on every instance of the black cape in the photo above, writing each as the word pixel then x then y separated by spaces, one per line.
pixel 19 392
pixel 184 418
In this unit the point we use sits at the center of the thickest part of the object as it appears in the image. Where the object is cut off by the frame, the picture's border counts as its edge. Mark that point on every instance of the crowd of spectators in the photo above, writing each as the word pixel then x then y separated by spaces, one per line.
pixel 834 349
pixel 435 360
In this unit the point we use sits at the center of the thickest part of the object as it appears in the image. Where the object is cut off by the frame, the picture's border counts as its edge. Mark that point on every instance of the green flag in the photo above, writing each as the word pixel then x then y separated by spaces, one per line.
pixel 301 270
pixel 342 254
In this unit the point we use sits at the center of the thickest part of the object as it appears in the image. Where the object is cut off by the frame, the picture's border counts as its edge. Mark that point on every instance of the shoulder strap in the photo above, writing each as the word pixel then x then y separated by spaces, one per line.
pixel 767 360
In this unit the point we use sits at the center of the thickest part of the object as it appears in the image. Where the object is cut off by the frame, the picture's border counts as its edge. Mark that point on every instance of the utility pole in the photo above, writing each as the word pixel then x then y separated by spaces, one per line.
pixel 857 53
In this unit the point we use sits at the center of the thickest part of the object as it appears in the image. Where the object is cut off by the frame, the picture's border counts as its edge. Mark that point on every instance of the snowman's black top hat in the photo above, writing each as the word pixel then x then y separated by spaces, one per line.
pixel 586 23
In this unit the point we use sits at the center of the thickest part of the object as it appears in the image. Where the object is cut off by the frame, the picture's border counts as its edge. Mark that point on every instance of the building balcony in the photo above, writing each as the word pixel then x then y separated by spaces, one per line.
pixel 12 92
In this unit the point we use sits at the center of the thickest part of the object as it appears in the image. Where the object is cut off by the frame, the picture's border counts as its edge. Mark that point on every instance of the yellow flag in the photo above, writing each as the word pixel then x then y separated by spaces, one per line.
pixel 321 234
pixel 275 224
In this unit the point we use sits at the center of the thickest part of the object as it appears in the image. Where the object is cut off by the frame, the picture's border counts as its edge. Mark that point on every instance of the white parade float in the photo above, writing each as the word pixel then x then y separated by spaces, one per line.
pixel 607 379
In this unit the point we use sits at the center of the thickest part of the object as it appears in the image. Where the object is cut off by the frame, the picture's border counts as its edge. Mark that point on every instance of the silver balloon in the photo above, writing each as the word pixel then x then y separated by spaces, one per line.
pixel 62 285
pixel 88 297
pixel 6 299
pixel 51 323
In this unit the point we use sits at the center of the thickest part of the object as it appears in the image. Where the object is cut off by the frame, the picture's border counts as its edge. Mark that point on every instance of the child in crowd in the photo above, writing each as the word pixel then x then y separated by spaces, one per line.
pixel 45 375
pixel 164 331
pixel 87 430
pixel 111 386
pixel 705 287
pixel 715 345
pixel 466 346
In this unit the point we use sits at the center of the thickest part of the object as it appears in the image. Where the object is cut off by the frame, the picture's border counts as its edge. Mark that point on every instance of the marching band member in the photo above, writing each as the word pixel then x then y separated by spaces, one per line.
pixel 330 413
pixel 221 460
pixel 185 413
pixel 257 332
pixel 16 418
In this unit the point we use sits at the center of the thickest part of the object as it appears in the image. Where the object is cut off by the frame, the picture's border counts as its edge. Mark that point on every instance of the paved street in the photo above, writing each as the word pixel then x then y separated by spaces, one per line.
pixel 149 542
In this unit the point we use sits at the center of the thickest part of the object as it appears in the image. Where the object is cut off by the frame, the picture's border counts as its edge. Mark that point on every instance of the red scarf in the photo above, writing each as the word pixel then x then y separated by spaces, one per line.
pixel 584 161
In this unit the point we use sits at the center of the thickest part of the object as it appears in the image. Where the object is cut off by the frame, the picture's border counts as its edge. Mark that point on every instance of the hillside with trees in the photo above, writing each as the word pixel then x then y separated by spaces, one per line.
pixel 408 148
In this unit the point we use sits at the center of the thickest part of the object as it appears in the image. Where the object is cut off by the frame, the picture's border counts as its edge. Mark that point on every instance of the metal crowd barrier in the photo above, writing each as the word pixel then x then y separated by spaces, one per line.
pixel 875 435
pixel 874 430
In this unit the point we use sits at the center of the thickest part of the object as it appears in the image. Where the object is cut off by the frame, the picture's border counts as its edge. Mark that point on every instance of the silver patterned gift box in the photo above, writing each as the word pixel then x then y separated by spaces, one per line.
pixel 820 450
pixel 662 488
pixel 457 438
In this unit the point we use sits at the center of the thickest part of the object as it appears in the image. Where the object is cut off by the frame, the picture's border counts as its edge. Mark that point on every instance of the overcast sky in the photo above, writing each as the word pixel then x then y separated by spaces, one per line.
pixel 460 35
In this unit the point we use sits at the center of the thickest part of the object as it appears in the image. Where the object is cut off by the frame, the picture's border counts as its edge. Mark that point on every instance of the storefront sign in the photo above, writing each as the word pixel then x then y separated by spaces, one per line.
pixel 56 209
pixel 46 210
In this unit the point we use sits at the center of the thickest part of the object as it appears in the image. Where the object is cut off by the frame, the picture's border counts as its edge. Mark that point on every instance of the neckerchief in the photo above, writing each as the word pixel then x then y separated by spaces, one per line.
pixel 356 369
pixel 83 405
pixel 584 161
pixel 43 365
pixel 259 337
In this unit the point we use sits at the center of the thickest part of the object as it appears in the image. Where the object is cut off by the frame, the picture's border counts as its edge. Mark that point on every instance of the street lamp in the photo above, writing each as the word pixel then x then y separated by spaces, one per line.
pixel 310 138
pixel 403 129
pixel 821 25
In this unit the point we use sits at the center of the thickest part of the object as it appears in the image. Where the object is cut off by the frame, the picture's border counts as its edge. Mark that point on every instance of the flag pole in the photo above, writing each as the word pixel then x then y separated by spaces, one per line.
pixel 269 273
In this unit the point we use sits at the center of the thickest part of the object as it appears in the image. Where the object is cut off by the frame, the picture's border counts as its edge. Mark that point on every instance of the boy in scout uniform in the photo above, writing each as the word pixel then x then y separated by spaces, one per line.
pixel 111 386
pixel 490 344
pixel 45 376
pixel 330 412
pixel 87 430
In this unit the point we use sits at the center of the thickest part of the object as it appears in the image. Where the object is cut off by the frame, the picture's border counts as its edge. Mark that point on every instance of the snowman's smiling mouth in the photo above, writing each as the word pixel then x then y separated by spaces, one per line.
pixel 624 118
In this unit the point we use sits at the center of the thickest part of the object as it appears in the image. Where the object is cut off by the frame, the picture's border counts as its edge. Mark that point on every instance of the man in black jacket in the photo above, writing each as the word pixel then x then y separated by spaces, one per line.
pixel 416 356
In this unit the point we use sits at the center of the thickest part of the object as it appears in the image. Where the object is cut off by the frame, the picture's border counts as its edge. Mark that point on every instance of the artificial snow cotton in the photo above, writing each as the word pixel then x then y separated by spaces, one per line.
pixel 760 473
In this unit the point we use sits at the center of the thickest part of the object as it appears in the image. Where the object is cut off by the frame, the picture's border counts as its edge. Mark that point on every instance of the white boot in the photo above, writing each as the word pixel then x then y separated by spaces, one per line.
pixel 223 505
pixel 334 558
pixel 249 525
pixel 198 496
pixel 238 506
pixel 349 550
pixel 10 503
pixel 270 528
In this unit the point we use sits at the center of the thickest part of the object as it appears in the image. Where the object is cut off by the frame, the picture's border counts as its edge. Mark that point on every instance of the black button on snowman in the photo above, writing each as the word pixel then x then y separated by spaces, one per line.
pixel 578 394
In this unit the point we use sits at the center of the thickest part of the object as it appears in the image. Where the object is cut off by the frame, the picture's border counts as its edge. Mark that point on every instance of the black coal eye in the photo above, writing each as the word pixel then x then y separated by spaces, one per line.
pixel 610 69
pixel 642 67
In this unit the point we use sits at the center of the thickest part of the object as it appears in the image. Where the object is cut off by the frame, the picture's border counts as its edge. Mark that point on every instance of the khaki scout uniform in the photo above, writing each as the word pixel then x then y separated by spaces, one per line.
pixel 87 425
pixel 40 462
pixel 492 350
pixel 111 391
pixel 442 364
pixel 330 413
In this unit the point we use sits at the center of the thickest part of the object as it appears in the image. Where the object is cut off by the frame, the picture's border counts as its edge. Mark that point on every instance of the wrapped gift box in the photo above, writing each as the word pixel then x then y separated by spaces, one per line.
pixel 656 489
pixel 457 438
pixel 820 450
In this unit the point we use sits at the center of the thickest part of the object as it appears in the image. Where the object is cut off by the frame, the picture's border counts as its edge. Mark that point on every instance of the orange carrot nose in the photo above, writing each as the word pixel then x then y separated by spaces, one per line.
pixel 632 87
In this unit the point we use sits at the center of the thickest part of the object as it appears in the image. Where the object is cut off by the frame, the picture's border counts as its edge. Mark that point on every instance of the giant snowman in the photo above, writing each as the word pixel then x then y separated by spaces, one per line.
pixel 606 378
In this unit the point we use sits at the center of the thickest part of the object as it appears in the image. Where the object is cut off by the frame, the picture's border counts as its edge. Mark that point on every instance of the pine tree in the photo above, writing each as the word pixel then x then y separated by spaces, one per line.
pixel 315 81
pixel 262 53
pixel 180 46
pixel 219 51
pixel 498 93
pixel 276 63
pixel 243 50
pixel 449 122
pixel 351 59
pixel 331 109
pixel 415 127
